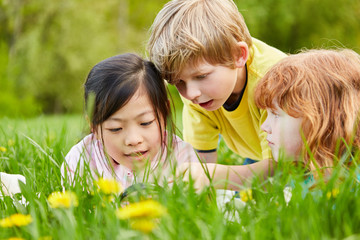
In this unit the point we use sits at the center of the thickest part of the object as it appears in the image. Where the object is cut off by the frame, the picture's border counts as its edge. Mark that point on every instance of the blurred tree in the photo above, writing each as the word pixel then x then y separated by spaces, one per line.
pixel 51 46
pixel 48 47
pixel 291 25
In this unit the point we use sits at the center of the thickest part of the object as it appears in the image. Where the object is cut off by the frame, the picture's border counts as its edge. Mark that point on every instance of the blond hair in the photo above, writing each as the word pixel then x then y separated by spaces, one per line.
pixel 186 31
pixel 323 88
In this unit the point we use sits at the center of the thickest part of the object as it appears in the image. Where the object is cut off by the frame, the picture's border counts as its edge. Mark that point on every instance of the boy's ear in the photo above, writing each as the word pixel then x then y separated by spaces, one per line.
pixel 242 54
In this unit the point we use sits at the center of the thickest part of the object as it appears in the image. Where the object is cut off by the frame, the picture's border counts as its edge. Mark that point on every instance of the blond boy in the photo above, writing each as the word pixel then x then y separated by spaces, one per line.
pixel 204 48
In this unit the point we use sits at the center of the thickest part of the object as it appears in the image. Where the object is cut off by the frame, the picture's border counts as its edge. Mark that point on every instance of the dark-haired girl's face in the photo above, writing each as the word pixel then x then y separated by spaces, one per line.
pixel 132 135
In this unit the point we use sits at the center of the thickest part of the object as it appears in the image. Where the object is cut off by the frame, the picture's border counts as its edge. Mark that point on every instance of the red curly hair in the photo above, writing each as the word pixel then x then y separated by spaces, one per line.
pixel 323 88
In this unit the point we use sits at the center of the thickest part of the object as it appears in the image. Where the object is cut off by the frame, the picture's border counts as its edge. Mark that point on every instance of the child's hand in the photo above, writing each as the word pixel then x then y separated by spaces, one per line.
pixel 10 183
pixel 200 173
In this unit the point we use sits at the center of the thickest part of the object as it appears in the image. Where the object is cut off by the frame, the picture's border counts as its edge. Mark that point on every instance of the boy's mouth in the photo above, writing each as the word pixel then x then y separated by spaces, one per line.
pixel 206 104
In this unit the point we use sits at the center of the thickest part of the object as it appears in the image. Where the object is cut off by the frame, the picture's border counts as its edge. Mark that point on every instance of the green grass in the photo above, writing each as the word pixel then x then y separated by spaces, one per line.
pixel 38 147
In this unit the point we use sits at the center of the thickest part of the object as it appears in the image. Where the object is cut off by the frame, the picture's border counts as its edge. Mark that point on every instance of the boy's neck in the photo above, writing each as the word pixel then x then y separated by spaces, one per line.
pixel 239 86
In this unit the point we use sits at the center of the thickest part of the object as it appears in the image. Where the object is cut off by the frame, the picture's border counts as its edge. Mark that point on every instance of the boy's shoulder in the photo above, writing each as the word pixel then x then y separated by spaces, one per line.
pixel 261 58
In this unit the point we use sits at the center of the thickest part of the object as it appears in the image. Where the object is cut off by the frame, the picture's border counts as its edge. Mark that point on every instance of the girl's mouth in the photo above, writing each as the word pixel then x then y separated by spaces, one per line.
pixel 137 154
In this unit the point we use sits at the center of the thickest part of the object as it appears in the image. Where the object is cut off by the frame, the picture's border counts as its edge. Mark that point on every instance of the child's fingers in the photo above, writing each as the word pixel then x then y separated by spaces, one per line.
pixel 191 170
pixel 179 173
pixel 183 169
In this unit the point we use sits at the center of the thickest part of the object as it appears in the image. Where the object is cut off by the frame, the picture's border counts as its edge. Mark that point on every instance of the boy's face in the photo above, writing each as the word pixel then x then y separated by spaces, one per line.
pixel 208 85
pixel 132 135
pixel 283 133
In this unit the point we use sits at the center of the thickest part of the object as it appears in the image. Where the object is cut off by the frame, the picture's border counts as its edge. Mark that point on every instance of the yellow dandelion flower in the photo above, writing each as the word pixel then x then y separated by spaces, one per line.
pixel 17 220
pixel 3 149
pixel 6 222
pixel 147 209
pixel 246 195
pixel 143 225
pixel 62 199
pixel 11 142
pixel 16 238
pixel 333 193
pixel 109 186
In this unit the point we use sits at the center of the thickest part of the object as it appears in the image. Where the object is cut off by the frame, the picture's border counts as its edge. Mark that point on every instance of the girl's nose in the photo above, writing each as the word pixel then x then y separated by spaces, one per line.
pixel 133 138
pixel 266 125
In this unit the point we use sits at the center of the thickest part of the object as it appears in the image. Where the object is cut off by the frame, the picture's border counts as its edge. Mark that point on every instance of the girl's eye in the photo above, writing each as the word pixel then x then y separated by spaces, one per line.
pixel 147 123
pixel 115 129
pixel 276 115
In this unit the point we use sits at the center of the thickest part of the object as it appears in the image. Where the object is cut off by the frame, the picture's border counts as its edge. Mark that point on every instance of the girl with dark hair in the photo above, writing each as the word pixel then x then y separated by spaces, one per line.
pixel 130 122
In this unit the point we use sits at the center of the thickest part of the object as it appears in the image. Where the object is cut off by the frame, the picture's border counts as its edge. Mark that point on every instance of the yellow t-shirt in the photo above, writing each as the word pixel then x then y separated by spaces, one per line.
pixel 239 128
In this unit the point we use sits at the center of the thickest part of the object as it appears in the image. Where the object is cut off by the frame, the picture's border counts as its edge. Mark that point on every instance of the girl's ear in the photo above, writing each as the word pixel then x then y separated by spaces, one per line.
pixel 92 128
pixel 242 54
pixel 95 132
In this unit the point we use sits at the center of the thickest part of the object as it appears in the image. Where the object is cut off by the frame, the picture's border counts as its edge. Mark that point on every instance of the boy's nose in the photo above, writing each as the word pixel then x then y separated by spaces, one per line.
pixel 192 91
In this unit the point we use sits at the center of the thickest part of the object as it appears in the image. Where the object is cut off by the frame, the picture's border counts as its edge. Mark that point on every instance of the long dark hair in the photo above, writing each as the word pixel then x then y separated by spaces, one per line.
pixel 112 82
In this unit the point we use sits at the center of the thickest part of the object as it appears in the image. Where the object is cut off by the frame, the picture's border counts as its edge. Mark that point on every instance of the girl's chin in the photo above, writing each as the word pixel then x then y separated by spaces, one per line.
pixel 138 163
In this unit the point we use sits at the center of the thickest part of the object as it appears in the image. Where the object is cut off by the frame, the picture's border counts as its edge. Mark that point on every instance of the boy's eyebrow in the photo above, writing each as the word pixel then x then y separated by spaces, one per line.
pixel 197 70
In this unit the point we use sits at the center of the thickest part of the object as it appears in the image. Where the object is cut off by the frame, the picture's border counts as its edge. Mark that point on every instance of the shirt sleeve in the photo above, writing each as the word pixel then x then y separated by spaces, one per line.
pixel 76 159
pixel 71 164
pixel 199 129
pixel 184 152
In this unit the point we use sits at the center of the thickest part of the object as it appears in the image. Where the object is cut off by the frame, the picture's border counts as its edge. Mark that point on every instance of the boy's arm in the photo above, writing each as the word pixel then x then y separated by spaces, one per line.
pixel 225 176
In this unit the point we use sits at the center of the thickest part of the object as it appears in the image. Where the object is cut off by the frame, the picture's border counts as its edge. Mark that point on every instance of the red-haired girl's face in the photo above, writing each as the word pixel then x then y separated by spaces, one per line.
pixel 283 133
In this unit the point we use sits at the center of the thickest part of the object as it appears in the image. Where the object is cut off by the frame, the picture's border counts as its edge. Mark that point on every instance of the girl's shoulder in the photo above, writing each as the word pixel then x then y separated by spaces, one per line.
pixel 83 149
pixel 183 151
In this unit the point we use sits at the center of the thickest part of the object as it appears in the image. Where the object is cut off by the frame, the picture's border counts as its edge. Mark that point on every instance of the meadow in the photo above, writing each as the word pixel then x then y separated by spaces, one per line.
pixel 283 207
pixel 65 39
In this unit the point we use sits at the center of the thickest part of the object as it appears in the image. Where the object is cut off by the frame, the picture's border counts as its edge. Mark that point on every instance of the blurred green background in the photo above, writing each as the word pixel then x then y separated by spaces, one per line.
pixel 48 47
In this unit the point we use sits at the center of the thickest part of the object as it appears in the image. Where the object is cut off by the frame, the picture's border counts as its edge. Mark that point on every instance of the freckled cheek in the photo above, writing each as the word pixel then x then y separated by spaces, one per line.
pixel 293 146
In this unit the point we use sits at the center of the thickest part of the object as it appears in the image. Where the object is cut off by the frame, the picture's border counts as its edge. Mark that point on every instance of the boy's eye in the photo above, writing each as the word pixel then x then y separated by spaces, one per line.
pixel 115 129
pixel 179 83
pixel 181 86
pixel 147 123
pixel 201 76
